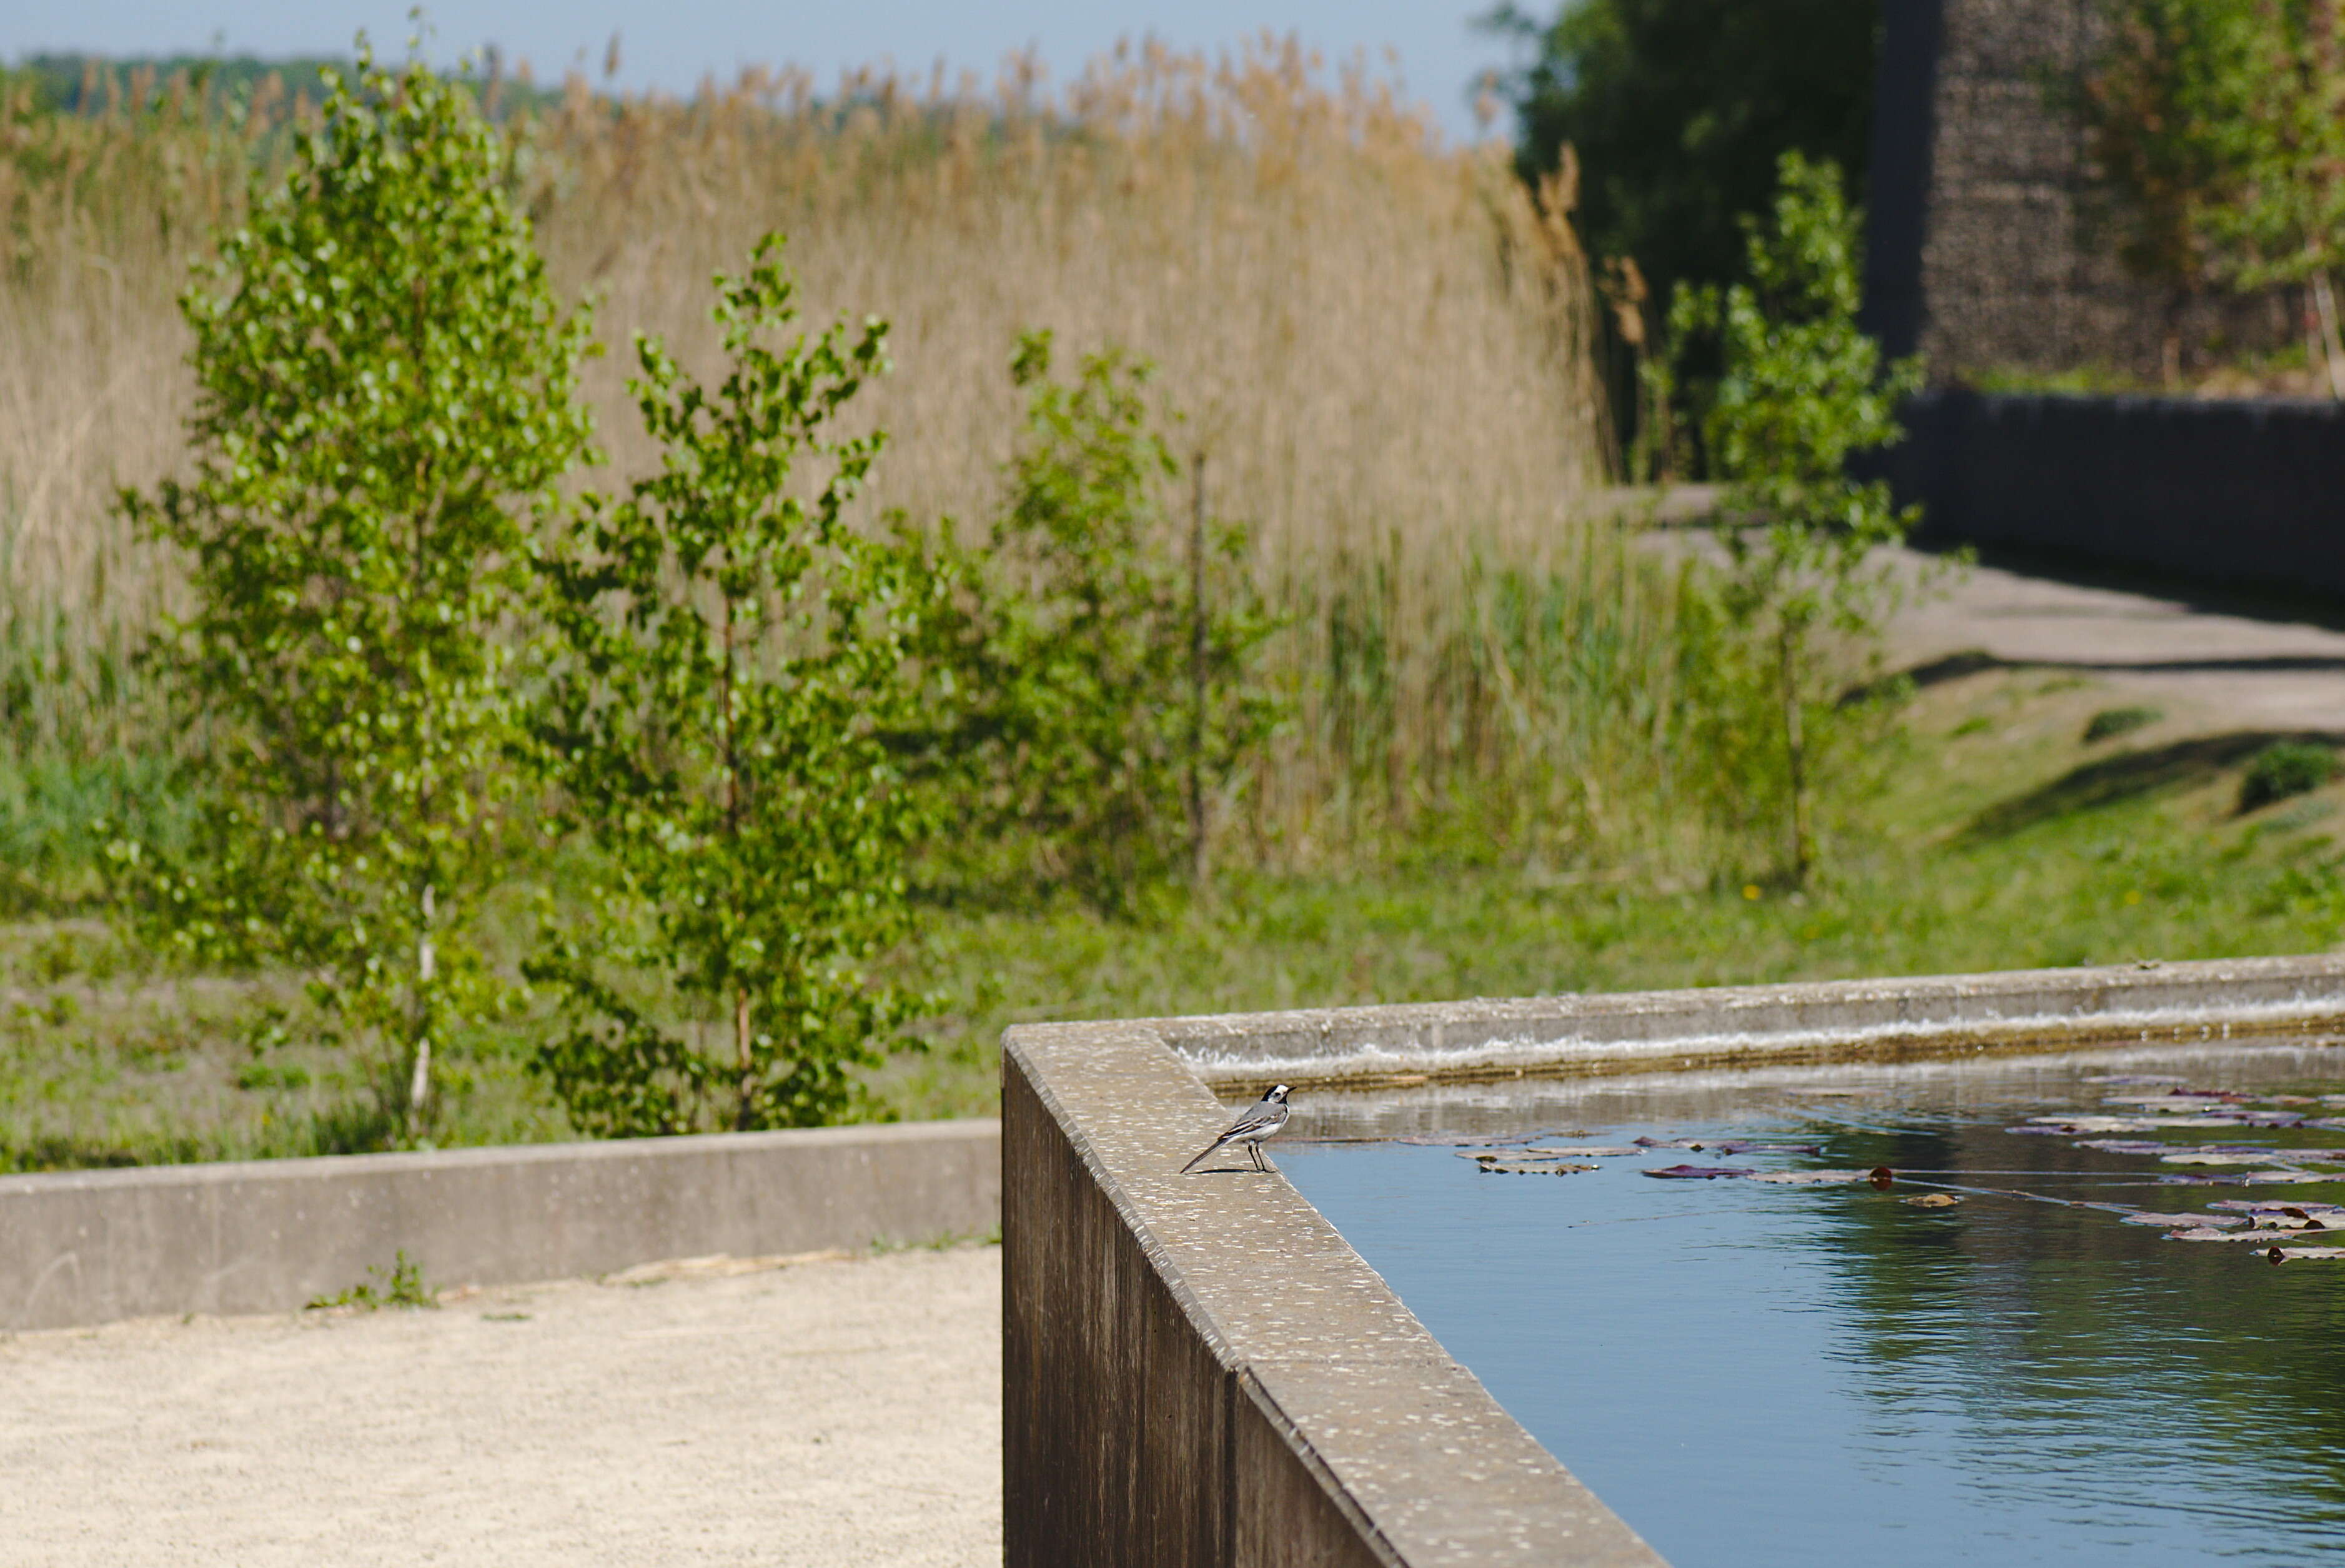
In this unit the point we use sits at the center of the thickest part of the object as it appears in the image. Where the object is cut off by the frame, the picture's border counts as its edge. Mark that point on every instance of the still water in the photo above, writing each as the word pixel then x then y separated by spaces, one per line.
pixel 1753 1373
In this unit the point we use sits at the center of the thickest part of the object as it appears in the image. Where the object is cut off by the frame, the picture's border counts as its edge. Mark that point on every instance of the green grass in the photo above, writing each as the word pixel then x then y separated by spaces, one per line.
pixel 2006 841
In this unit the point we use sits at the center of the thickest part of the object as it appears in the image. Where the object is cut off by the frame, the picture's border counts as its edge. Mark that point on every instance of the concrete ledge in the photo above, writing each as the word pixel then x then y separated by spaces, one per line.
pixel 91 1247
pixel 1743 1025
pixel 1198 1370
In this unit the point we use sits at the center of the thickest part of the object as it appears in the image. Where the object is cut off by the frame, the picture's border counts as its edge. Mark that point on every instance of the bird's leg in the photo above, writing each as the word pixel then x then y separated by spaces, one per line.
pixel 1255 1150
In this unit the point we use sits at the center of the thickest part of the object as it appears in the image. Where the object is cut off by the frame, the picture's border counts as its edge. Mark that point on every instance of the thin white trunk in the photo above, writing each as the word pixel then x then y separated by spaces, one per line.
pixel 419 1086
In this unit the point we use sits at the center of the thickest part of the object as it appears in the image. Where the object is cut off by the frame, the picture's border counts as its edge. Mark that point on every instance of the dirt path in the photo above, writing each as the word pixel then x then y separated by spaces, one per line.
pixel 825 1412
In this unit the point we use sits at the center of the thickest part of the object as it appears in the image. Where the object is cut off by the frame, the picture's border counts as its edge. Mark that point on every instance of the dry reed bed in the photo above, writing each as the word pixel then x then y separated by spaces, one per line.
pixel 1381 346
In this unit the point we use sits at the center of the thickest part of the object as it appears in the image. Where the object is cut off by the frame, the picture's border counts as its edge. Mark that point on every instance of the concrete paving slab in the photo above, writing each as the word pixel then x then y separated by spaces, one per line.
pixel 821 1412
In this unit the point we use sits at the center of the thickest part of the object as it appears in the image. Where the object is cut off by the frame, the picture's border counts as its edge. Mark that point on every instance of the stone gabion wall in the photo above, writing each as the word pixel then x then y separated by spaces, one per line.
pixel 2011 260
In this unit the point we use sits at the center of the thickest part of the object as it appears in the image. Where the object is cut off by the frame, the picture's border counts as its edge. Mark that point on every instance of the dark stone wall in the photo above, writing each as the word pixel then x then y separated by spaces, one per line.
pixel 1989 246
pixel 2250 492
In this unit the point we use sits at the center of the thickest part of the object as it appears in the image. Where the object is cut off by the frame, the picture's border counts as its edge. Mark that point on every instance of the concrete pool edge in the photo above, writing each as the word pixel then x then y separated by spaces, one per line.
pixel 1201 1370
pixel 1745 1025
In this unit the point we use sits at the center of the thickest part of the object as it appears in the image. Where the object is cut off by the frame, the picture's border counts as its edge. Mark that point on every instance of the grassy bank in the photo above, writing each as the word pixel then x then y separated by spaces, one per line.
pixel 2010 842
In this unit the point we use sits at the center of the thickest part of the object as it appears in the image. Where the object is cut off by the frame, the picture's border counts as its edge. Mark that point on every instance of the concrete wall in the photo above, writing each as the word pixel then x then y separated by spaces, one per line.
pixel 1199 1371
pixel 90 1247
pixel 2244 492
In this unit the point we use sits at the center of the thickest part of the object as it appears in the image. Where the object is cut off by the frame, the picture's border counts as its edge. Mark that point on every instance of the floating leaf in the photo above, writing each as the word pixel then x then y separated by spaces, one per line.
pixel 1471 1140
pixel 2304 1253
pixel 2223 1158
pixel 1590 1152
pixel 2135 1078
pixel 1933 1200
pixel 2208 1233
pixel 2183 1221
pixel 2266 1118
pixel 1811 1178
pixel 1738 1147
pixel 1533 1168
pixel 2276 1205
pixel 2195 1102
pixel 1671 1143
pixel 2123 1146
pixel 1700 1172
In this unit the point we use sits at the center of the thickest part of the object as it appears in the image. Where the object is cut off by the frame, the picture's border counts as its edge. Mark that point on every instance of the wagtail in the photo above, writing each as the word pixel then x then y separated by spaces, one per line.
pixel 1268 1115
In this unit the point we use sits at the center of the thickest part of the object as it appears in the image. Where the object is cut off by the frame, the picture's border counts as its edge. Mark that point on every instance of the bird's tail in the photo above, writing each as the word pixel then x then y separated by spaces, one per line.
pixel 1208 1149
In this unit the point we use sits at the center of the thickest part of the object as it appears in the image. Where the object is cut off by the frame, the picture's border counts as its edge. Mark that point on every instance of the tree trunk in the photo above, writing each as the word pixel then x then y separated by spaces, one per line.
pixel 1795 752
pixel 419 1081
pixel 1197 650
pixel 744 1060
pixel 2332 350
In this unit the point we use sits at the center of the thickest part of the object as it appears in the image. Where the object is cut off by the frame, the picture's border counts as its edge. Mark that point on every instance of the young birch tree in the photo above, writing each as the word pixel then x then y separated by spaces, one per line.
pixel 738 657
pixel 387 396
pixel 1801 389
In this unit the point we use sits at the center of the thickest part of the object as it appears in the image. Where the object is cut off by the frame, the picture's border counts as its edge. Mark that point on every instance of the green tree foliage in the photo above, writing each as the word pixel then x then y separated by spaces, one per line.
pixel 387 396
pixel 1801 391
pixel 2216 127
pixel 1680 109
pixel 1107 662
pixel 739 656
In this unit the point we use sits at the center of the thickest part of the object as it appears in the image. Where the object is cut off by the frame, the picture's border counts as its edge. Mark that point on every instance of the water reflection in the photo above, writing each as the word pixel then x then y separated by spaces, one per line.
pixel 1754 1374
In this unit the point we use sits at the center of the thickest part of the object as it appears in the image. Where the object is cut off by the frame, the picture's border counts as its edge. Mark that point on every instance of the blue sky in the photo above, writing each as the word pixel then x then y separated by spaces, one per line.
pixel 671 45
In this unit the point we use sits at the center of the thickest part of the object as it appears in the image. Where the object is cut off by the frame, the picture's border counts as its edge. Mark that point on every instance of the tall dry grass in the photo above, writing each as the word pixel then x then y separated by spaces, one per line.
pixel 1381 345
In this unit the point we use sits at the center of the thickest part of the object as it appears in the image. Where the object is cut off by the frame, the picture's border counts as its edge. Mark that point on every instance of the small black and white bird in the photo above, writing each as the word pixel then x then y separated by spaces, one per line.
pixel 1267 1116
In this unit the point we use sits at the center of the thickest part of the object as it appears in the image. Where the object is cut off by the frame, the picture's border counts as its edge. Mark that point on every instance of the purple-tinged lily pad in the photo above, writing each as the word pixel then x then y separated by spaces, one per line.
pixel 1700 1172
pixel 2223 1157
pixel 1811 1178
pixel 2305 1254
pixel 2286 1206
pixel 2184 1221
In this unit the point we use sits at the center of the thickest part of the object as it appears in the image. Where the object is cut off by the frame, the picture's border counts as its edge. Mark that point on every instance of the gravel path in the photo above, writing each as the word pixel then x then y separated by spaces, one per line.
pixel 2220 671
pixel 825 1411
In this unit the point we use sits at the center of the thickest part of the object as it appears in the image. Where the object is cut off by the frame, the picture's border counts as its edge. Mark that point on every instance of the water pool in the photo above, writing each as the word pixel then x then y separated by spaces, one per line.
pixel 1755 1373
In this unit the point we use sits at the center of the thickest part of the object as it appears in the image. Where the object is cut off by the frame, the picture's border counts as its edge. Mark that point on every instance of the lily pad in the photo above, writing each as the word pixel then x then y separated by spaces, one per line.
pixel 2283 1206
pixel 2207 1233
pixel 1933 1200
pixel 1701 1173
pixel 1534 1167
pixel 2184 1221
pixel 1592 1152
pixel 2223 1157
pixel 2304 1253
pixel 1811 1178
pixel 1739 1147
pixel 2123 1146
pixel 2135 1078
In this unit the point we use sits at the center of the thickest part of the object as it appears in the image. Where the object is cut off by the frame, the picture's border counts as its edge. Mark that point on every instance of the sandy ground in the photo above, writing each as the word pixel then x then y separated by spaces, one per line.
pixel 823 1412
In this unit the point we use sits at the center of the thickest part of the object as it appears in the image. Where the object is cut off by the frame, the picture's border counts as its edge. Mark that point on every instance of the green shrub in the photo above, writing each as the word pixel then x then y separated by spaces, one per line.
pixel 1107 663
pixel 2112 722
pixel 2283 768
